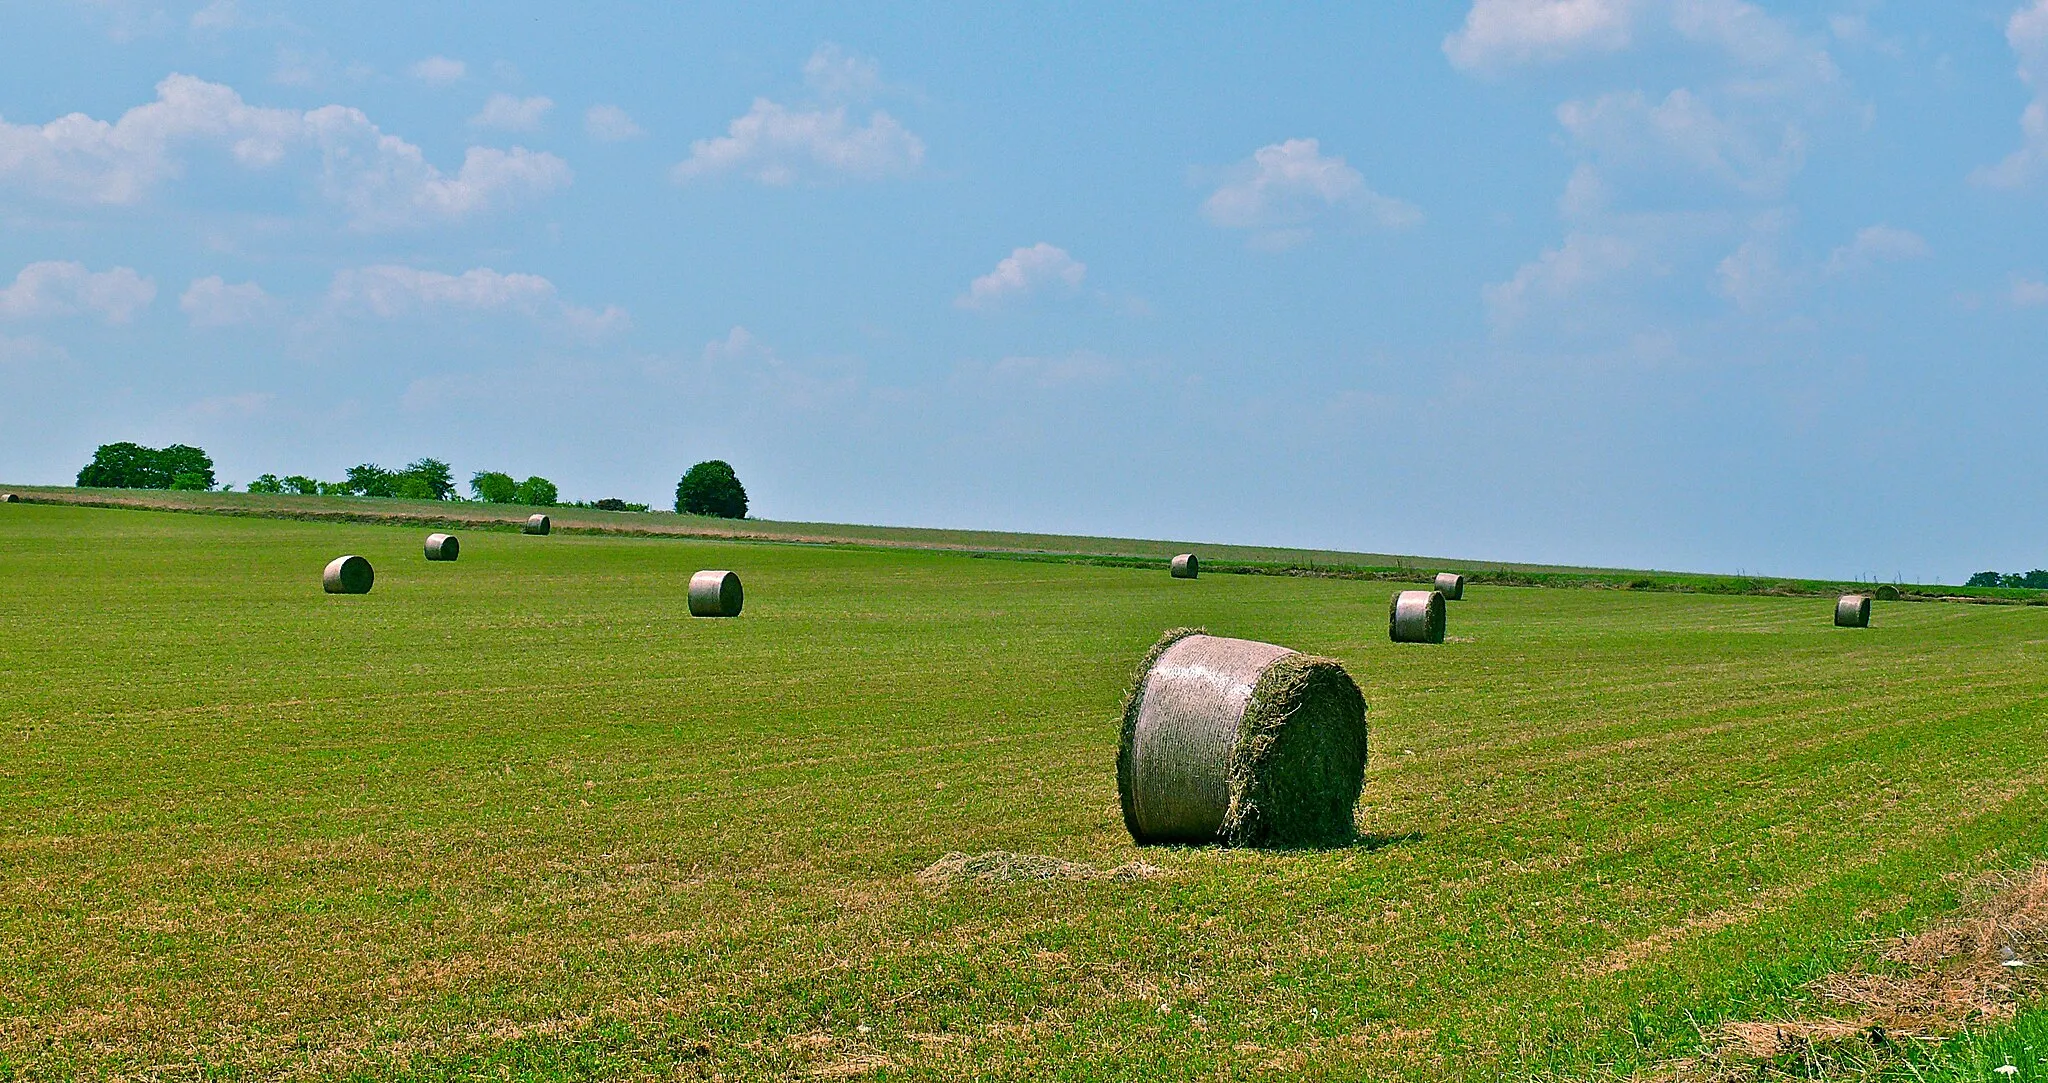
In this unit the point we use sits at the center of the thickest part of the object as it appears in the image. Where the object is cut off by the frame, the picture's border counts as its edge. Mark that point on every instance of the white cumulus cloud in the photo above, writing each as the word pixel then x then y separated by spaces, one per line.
pixel 1559 275
pixel 780 144
pixel 439 70
pixel 1023 272
pixel 383 181
pixel 1503 33
pixel 1285 188
pixel 2027 33
pixel 65 288
pixel 609 124
pixel 775 144
pixel 1877 244
pixel 391 291
pixel 838 74
pixel 513 114
pixel 212 302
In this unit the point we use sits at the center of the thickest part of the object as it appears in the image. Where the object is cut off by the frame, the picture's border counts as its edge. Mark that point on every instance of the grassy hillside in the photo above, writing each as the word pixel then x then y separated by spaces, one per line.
pixel 520 817
pixel 1059 548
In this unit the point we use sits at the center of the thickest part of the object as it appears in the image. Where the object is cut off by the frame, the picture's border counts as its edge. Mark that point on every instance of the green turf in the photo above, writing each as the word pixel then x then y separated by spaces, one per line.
pixel 519 816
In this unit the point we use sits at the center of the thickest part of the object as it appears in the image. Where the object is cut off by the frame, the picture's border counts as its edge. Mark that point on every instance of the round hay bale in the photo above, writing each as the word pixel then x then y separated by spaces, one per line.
pixel 1852 611
pixel 1186 566
pixel 1242 743
pixel 1451 586
pixel 715 594
pixel 537 524
pixel 443 547
pixel 9 498
pixel 1887 593
pixel 1416 616
pixel 348 575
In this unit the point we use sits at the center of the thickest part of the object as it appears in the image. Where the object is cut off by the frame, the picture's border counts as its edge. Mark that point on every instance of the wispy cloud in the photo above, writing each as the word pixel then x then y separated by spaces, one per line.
pixel 1023 272
pixel 1285 189
pixel 57 288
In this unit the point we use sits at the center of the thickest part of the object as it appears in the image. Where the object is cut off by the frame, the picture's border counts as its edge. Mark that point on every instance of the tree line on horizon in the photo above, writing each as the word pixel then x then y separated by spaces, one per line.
pixel 708 488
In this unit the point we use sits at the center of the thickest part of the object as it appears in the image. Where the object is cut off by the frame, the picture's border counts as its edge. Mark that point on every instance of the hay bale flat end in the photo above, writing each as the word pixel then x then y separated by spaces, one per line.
pixel 1416 616
pixel 1242 743
pixel 1852 611
pixel 348 575
pixel 715 593
pixel 443 547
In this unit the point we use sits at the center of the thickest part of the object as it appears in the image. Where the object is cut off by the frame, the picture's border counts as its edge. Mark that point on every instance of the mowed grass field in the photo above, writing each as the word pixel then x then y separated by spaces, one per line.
pixel 521 817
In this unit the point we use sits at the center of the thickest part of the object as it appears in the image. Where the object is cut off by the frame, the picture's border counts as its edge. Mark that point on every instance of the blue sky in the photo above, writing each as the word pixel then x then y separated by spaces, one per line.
pixel 1692 284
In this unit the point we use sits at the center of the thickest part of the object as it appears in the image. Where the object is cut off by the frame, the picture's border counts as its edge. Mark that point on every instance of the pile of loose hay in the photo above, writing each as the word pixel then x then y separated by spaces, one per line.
pixel 1416 616
pixel 1243 743
pixel 1852 611
pixel 443 547
pixel 1967 972
pixel 1003 866
pixel 1451 585
pixel 348 575
pixel 1186 566
pixel 715 594
pixel 537 524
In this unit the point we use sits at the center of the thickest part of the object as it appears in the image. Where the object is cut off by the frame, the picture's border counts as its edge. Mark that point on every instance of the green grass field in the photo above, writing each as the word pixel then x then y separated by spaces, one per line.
pixel 521 817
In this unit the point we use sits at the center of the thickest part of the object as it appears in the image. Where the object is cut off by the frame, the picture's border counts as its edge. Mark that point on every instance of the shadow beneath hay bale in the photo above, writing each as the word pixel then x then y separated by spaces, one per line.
pixel 1380 840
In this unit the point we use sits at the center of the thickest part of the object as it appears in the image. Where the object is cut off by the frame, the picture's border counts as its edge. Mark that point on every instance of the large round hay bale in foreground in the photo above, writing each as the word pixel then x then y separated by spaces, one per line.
pixel 1451 586
pixel 348 575
pixel 537 524
pixel 1242 743
pixel 1887 593
pixel 1416 616
pixel 715 593
pixel 1852 611
pixel 1186 566
pixel 443 547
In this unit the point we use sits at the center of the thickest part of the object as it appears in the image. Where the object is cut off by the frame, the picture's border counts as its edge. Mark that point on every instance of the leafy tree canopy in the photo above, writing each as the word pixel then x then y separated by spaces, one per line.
pixel 537 492
pixel 711 488
pixel 493 487
pixel 128 465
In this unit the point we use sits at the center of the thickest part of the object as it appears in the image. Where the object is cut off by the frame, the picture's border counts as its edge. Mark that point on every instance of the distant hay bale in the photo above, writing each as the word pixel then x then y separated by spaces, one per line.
pixel 537 524
pixel 9 498
pixel 1887 593
pixel 715 594
pixel 1852 611
pixel 348 575
pixel 1416 616
pixel 1242 743
pixel 1451 586
pixel 443 547
pixel 1186 566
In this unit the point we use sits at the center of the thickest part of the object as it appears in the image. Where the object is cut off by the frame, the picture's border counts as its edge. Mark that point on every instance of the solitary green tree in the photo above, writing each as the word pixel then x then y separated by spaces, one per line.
pixel 711 488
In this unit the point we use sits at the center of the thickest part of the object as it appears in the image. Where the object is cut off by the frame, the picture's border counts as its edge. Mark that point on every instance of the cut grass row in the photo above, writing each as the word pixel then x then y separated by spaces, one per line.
pixel 521 816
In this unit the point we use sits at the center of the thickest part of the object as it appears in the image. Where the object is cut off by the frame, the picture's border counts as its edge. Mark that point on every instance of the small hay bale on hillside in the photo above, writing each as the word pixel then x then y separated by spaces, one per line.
pixel 715 594
pixel 1887 593
pixel 1451 585
pixel 443 547
pixel 348 575
pixel 1416 616
pixel 9 498
pixel 1852 611
pixel 1242 743
pixel 537 524
pixel 1186 566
